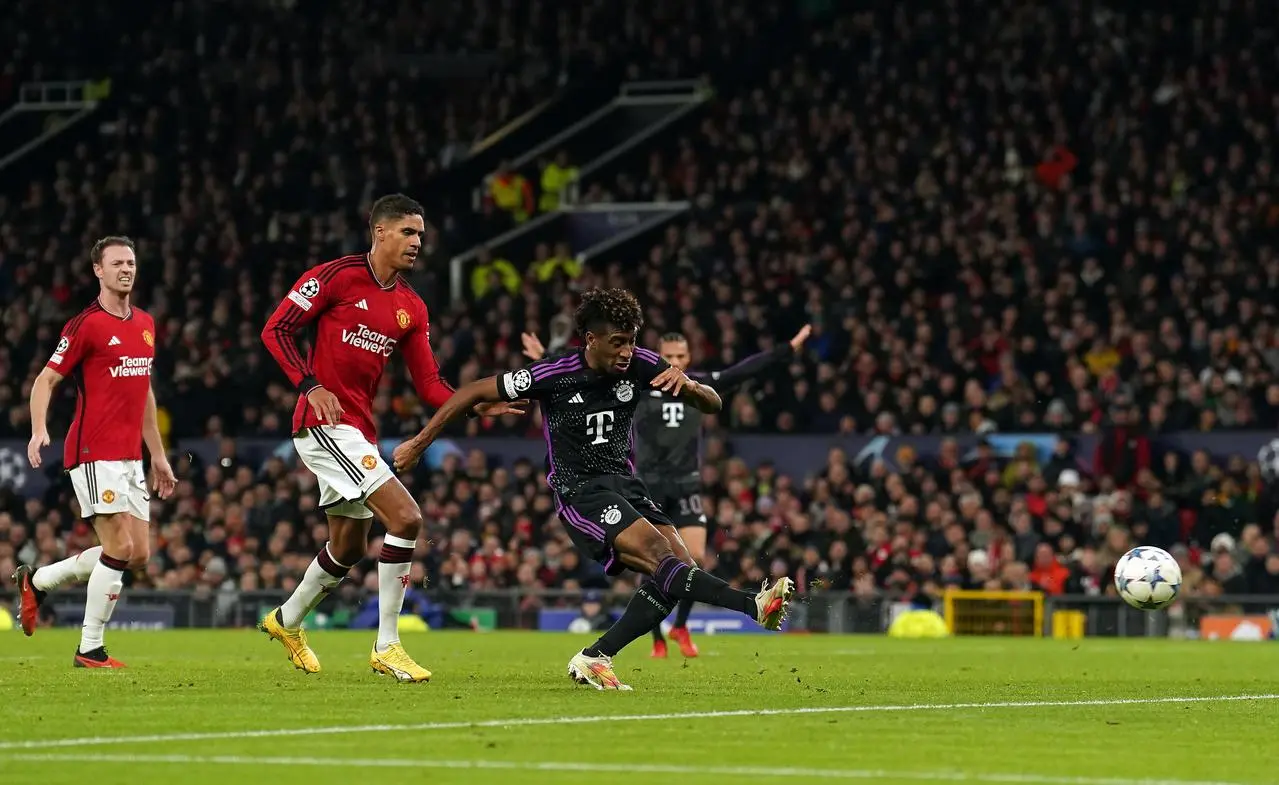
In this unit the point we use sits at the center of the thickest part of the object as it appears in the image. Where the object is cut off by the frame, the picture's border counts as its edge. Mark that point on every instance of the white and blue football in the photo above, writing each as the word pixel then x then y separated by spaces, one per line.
pixel 1148 578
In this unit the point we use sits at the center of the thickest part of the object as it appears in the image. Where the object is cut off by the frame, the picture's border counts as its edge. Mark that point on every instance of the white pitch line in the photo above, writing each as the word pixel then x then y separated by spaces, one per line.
pixel 524 722
pixel 611 768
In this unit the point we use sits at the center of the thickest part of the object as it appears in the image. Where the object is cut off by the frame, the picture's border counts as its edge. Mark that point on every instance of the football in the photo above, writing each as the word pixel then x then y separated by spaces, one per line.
pixel 1148 578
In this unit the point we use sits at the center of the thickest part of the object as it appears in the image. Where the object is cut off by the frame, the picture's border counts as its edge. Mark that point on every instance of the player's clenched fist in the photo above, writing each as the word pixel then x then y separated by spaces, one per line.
pixel 407 454
pixel 39 440
pixel 326 405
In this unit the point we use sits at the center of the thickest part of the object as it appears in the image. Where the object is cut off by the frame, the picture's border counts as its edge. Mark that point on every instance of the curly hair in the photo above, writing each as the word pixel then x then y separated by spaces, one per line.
pixel 601 308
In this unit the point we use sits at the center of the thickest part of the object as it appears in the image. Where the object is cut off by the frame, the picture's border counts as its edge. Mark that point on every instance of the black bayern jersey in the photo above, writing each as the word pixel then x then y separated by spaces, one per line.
pixel 670 430
pixel 586 414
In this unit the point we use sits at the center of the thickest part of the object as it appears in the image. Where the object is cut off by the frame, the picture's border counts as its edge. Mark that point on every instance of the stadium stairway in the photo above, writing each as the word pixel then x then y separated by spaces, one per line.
pixel 619 136
pixel 641 114
pixel 43 111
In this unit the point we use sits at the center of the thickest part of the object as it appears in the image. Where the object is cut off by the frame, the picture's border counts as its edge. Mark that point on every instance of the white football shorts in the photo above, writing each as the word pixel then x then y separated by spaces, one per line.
pixel 348 468
pixel 111 487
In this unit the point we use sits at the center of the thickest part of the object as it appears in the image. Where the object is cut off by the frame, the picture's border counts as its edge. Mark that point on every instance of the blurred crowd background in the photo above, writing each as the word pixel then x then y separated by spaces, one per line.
pixel 1024 217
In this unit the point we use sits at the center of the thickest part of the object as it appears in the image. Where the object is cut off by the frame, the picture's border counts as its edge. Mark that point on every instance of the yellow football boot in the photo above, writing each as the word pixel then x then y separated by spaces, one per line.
pixel 395 661
pixel 294 642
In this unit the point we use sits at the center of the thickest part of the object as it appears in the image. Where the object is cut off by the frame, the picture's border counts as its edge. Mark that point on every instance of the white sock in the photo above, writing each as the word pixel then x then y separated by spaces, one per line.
pixel 322 576
pixel 73 568
pixel 104 590
pixel 392 582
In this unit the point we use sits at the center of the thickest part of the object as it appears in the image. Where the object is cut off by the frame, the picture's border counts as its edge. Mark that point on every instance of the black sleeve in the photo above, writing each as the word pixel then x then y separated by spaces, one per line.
pixel 749 368
pixel 537 379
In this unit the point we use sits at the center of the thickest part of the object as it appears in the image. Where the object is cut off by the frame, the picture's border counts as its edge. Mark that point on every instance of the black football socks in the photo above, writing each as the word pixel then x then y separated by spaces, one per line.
pixel 678 580
pixel 647 608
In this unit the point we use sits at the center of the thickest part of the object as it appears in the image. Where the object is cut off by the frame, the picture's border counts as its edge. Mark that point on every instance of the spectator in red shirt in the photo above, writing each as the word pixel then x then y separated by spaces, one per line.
pixel 1048 574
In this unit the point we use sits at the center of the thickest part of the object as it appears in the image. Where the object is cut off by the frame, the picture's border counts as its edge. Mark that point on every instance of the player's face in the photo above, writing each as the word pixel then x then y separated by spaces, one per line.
pixel 118 269
pixel 676 353
pixel 400 240
pixel 611 350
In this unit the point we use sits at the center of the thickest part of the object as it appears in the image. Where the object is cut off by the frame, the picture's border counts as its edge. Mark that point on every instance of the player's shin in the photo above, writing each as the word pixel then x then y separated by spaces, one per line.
pixel 677 579
pixel 105 583
pixel 323 575
pixel 73 568
pixel 393 567
pixel 648 606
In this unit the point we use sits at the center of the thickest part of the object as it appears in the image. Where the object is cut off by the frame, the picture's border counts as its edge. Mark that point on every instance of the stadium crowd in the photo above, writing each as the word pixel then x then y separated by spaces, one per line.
pixel 1030 218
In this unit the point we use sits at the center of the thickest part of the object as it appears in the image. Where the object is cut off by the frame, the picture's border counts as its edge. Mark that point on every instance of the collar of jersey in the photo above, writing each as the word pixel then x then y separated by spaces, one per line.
pixel 386 287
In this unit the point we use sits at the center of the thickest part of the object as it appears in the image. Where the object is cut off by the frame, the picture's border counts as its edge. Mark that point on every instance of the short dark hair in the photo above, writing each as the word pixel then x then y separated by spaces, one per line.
pixel 673 338
pixel 110 241
pixel 393 206
pixel 602 308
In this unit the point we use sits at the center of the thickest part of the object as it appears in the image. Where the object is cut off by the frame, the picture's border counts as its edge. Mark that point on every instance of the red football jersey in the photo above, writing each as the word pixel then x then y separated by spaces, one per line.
pixel 109 359
pixel 359 323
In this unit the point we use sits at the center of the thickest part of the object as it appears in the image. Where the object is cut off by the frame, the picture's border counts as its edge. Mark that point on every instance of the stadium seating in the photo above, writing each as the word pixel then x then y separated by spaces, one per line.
pixel 1019 220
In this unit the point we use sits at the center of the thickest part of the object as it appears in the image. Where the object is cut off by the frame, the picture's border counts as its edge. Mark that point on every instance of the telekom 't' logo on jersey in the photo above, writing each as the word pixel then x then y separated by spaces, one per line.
pixel 369 340
pixel 132 366
pixel 598 426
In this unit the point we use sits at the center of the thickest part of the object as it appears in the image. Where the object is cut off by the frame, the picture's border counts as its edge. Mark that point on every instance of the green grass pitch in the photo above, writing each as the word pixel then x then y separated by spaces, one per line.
pixel 226 706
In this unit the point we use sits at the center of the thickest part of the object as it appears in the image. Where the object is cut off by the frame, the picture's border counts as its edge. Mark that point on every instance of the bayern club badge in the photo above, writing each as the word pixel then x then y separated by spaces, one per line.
pixel 624 391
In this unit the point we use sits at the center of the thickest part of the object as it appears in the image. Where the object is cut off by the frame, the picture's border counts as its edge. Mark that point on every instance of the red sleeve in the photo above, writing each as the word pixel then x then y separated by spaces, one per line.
pixel 420 361
pixel 73 346
pixel 306 300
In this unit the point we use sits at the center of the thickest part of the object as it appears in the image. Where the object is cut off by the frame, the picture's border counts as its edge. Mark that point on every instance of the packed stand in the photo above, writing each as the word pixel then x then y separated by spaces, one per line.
pixel 977 250
pixel 860 531
pixel 1018 219
pixel 246 143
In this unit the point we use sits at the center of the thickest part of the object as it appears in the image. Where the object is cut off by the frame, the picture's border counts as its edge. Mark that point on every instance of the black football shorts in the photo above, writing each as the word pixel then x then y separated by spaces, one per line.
pixel 598 510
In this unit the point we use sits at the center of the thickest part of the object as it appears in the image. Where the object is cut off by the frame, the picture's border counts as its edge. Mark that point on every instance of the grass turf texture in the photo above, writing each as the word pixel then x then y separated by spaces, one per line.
pixel 906 711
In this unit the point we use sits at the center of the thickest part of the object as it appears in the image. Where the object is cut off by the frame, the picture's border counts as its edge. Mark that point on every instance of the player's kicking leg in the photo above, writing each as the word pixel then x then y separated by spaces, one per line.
pixel 658 552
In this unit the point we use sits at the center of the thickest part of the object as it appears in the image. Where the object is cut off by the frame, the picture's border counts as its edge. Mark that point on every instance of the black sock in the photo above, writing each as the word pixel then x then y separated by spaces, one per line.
pixel 685 608
pixel 677 579
pixel 658 637
pixel 645 611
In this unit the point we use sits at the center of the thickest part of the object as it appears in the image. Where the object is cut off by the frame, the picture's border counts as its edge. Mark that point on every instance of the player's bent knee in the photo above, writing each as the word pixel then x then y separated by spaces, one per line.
pixel 139 556
pixel 642 547
pixel 348 539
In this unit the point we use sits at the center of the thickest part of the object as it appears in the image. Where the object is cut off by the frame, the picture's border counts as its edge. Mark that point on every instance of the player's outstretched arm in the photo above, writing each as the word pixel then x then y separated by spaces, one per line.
pixel 702 396
pixel 464 400
pixel 41 394
pixel 756 364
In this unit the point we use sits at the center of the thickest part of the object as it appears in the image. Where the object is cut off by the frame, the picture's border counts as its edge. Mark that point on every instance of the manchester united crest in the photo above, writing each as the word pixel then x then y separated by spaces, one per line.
pixel 368 462
pixel 108 496
pixel 402 317
pixel 148 338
